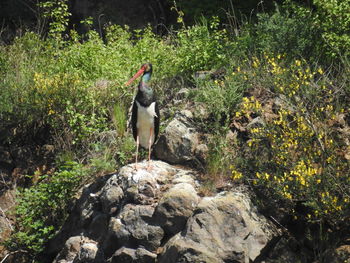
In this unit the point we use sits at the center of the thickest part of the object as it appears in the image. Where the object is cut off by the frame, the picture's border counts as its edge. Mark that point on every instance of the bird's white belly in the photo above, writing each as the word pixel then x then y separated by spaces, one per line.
pixel 145 122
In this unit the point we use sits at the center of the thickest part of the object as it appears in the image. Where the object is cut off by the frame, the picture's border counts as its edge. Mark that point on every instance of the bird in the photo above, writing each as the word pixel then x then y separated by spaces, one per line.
pixel 145 112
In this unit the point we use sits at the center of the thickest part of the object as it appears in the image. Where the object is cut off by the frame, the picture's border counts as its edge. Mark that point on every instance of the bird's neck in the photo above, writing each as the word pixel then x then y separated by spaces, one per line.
pixel 146 77
pixel 145 95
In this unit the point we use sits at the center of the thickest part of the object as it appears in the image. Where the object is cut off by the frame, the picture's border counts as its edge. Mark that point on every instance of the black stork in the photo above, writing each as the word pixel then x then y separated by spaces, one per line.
pixel 145 112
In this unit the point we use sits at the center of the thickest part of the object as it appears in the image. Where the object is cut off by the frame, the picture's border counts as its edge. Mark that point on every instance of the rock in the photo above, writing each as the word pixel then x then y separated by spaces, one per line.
pixel 175 207
pixel 78 249
pixel 111 195
pixel 87 253
pixel 131 229
pixel 127 255
pixel 157 216
pixel 98 226
pixel 256 123
pixel 342 253
pixel 224 228
pixel 339 254
pixel 144 256
pixel 178 143
pixel 124 254
pixel 201 152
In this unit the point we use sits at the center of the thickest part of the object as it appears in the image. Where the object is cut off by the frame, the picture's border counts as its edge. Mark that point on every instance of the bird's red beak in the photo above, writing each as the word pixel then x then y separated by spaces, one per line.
pixel 136 76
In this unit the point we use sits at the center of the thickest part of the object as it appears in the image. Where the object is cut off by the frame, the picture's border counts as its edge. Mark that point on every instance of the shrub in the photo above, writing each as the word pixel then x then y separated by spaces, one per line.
pixel 284 33
pixel 201 47
pixel 332 20
pixel 300 153
pixel 42 209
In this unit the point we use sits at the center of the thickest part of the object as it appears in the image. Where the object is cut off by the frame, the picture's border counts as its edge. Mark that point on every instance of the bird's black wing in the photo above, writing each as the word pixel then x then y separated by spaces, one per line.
pixel 156 122
pixel 134 119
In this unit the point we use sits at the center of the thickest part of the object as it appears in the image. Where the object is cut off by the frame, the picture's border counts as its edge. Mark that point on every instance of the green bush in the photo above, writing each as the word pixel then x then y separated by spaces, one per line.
pixel 284 33
pixel 201 47
pixel 42 209
pixel 333 19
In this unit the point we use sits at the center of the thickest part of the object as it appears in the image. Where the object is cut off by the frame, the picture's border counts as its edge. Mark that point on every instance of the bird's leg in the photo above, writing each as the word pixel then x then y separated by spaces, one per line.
pixel 149 149
pixel 137 149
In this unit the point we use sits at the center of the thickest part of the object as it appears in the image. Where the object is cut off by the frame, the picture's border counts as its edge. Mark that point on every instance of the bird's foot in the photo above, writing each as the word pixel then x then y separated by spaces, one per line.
pixel 136 167
pixel 149 166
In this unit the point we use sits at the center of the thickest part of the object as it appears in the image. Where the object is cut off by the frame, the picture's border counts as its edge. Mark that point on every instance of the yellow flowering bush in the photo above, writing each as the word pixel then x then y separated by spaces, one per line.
pixel 68 106
pixel 300 152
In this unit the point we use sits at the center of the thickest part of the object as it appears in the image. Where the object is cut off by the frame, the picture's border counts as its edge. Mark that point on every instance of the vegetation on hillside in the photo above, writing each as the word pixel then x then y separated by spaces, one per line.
pixel 289 72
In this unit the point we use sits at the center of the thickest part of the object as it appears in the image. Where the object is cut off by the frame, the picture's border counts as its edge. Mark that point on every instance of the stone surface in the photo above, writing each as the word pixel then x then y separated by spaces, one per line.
pixel 78 249
pixel 179 141
pixel 224 228
pixel 127 255
pixel 157 216
pixel 176 206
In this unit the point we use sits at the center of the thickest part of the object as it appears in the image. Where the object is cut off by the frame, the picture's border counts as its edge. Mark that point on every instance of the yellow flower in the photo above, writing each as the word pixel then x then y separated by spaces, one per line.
pixel 236 175
pixel 267 176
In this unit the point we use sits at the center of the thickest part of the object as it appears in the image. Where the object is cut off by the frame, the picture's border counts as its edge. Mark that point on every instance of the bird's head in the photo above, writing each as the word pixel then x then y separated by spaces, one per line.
pixel 145 68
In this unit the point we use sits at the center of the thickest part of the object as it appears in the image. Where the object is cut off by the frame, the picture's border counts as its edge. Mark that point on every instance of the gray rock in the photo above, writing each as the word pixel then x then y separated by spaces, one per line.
pixel 224 228
pixel 111 195
pixel 139 231
pixel 70 250
pixel 126 255
pixel 132 226
pixel 145 256
pixel 283 252
pixel 78 249
pixel 87 253
pixel 178 143
pixel 123 254
pixel 175 207
pixel 201 152
pixel 256 123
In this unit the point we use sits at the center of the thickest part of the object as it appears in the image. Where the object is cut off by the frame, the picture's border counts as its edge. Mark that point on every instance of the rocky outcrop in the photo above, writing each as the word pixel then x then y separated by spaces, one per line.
pixel 158 216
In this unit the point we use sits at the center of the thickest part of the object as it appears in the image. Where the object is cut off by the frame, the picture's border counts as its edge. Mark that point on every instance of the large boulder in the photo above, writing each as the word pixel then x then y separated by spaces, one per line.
pixel 224 228
pixel 179 142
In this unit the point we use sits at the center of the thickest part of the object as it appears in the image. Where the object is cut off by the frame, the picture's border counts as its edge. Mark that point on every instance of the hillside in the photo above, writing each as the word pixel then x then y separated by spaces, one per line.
pixel 256 106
